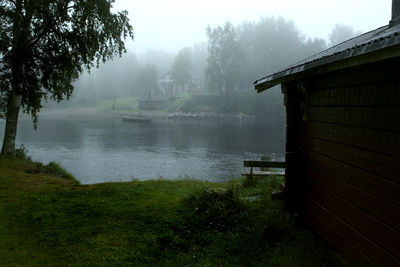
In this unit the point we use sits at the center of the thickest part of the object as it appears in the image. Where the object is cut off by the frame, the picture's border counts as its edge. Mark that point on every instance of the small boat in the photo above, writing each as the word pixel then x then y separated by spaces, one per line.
pixel 136 119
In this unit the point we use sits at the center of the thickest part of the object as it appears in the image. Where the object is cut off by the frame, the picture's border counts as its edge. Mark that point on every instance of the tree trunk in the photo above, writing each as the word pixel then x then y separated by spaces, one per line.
pixel 13 106
pixel 18 80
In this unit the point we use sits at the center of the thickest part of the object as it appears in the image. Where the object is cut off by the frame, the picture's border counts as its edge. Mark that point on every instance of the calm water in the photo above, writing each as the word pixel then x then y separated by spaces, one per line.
pixel 97 149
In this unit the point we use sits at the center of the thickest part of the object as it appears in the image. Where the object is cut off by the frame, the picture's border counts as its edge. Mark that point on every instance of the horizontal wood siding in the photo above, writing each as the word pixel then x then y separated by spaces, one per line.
pixel 385 118
pixel 352 152
pixel 376 163
pixel 384 142
pixel 346 238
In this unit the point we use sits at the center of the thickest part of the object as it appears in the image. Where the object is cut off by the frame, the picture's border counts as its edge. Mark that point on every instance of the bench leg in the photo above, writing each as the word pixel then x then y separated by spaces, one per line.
pixel 251 176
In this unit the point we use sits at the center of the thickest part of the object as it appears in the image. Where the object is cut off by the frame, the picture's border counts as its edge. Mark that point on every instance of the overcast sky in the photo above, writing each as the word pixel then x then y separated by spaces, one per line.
pixel 173 24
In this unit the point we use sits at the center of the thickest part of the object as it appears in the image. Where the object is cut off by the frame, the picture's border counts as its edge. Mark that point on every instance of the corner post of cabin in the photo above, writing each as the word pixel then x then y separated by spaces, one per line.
pixel 395 13
pixel 294 169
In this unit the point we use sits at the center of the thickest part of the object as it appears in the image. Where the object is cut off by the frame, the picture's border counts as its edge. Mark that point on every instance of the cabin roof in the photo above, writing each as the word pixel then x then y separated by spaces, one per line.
pixel 349 53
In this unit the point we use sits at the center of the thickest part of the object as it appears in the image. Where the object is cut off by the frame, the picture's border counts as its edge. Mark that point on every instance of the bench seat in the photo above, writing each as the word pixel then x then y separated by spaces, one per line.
pixel 262 173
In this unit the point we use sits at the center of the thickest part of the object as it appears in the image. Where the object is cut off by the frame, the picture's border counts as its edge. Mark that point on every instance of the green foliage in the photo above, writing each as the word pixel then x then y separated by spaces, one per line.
pixel 215 227
pixel 214 210
pixel 239 55
pixel 82 32
pixel 223 58
pixel 45 45
pixel 21 152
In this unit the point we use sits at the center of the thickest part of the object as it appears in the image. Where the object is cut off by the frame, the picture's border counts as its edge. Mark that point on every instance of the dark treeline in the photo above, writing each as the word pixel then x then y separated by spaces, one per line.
pixel 239 55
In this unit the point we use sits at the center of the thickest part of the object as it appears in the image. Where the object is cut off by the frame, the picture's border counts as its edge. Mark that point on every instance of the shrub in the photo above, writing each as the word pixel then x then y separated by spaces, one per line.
pixel 214 210
pixel 21 152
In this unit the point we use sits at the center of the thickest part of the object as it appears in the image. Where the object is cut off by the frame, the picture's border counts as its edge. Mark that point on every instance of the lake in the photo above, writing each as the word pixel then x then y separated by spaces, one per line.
pixel 102 148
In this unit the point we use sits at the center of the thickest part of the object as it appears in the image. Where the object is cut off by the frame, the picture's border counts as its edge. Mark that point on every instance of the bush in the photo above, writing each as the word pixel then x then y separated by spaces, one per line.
pixel 207 224
pixel 217 225
pixel 21 152
pixel 214 210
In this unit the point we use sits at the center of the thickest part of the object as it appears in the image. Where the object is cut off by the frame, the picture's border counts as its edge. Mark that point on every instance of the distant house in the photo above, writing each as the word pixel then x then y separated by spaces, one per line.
pixel 343 143
pixel 167 85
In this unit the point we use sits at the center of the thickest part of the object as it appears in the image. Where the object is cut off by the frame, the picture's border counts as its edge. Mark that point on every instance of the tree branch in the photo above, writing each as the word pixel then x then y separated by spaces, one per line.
pixel 50 26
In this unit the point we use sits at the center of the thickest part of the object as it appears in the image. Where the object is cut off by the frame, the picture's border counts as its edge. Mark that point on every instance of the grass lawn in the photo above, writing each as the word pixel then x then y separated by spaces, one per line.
pixel 121 104
pixel 48 219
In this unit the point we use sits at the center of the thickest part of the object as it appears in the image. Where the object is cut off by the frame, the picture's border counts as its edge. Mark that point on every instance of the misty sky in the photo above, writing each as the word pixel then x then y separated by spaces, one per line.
pixel 173 24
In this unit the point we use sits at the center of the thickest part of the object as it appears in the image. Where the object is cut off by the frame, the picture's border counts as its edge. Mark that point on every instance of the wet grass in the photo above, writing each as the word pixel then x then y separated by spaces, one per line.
pixel 121 104
pixel 48 220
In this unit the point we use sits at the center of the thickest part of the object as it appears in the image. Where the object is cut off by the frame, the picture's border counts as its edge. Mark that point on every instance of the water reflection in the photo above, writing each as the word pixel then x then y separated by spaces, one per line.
pixel 106 149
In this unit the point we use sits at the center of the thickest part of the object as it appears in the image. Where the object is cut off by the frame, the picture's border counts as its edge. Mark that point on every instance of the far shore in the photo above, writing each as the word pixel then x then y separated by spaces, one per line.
pixel 90 112
pixel 71 112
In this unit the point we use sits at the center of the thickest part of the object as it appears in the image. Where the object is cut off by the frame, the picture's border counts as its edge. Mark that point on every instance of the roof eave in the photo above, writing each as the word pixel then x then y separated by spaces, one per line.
pixel 375 45
pixel 331 65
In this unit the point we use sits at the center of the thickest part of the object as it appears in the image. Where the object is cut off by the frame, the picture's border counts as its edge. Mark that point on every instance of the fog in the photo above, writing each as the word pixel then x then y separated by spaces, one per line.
pixel 133 133
pixel 171 25
pixel 164 28
pixel 234 55
pixel 199 60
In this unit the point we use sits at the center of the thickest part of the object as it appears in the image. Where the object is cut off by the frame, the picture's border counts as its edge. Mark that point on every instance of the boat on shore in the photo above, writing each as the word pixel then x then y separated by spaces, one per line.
pixel 136 119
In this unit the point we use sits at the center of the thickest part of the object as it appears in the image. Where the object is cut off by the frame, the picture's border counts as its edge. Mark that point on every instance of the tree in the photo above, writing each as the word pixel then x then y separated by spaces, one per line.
pixel 159 58
pixel 253 50
pixel 341 33
pixel 222 71
pixel 265 47
pixel 182 67
pixel 199 64
pixel 45 45
pixel 147 79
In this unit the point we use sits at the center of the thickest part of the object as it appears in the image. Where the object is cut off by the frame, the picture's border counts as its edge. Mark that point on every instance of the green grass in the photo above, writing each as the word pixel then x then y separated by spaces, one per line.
pixel 54 169
pixel 121 104
pixel 126 104
pixel 48 220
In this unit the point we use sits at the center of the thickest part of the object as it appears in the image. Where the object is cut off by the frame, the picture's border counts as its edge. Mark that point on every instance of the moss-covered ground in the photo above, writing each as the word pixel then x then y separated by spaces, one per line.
pixel 48 219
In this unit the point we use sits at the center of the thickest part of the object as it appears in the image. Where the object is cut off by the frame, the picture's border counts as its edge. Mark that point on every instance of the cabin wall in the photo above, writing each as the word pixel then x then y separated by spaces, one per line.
pixel 294 170
pixel 351 153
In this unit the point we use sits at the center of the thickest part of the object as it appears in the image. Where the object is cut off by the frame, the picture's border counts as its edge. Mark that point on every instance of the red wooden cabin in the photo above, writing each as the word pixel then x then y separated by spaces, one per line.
pixel 343 143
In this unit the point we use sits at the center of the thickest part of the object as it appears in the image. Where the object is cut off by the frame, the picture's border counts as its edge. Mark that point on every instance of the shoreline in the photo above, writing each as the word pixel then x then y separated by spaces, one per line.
pixel 87 112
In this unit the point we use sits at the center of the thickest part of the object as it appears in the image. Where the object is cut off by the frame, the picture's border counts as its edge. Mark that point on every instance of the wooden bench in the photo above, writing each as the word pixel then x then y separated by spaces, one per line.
pixel 263 164
pixel 266 164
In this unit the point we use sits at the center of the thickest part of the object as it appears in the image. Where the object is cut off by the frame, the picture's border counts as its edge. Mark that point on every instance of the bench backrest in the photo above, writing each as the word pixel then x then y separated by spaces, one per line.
pixel 264 164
